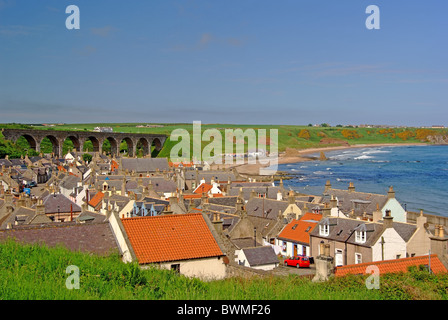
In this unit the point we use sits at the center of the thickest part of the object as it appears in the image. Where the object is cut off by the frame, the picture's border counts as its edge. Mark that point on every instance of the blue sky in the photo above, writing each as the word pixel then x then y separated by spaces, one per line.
pixel 243 62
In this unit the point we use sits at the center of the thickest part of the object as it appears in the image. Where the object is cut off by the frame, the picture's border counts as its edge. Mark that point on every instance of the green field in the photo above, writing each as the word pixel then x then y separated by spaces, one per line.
pixel 34 272
pixel 295 137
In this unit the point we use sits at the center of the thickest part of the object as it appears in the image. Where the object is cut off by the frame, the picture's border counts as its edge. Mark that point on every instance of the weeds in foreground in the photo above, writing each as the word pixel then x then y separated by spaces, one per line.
pixel 36 272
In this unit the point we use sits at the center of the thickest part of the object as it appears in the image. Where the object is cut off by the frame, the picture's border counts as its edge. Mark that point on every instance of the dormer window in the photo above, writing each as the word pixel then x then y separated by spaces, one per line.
pixel 324 228
pixel 361 234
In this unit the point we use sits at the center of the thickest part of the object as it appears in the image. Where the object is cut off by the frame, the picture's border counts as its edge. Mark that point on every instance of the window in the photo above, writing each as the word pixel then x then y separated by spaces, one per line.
pixel 175 267
pixel 283 245
pixel 361 234
pixel 358 258
pixel 324 228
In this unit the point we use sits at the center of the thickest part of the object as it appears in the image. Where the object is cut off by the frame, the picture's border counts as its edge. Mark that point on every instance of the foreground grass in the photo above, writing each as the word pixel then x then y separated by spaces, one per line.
pixel 34 272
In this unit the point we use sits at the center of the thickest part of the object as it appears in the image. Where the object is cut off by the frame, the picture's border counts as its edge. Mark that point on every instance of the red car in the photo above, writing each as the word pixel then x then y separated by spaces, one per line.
pixel 298 261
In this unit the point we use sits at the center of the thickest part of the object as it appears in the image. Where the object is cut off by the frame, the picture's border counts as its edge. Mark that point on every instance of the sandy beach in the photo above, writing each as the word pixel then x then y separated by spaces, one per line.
pixel 303 155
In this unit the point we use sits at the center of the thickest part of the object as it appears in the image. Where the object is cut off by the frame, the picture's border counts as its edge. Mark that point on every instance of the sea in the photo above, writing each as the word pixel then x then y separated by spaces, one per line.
pixel 418 174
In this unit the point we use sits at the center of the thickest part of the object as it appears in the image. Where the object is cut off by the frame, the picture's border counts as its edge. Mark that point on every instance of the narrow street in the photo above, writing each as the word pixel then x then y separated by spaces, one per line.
pixel 285 271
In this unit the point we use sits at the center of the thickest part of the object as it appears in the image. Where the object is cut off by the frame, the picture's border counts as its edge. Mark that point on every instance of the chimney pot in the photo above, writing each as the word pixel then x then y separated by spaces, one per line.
pixel 388 220
pixel 442 232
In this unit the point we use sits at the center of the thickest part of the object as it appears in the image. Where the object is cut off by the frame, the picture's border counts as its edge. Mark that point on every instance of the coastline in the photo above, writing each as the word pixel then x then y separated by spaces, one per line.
pixel 303 156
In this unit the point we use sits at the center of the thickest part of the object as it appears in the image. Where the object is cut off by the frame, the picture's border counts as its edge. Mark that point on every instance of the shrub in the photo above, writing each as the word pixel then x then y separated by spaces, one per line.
pixel 422 134
pixel 405 135
pixel 304 134
pixel 350 134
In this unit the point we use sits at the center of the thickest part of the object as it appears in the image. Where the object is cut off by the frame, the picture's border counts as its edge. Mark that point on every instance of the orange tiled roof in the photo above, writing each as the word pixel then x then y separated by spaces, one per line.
pixel 171 238
pixel 199 196
pixel 96 199
pixel 393 266
pixel 296 229
pixel 177 164
pixel 114 165
pixel 204 187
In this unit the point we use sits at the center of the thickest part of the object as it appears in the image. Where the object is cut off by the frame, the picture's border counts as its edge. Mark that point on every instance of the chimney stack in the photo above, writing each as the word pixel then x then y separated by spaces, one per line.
pixel 351 187
pixel 388 220
pixel 421 220
pixel 279 196
pixel 292 197
pixel 377 214
pixel 333 202
pixel 441 232
pixel 40 208
pixel 439 244
pixel 252 194
pixel 217 222
pixel 327 186
pixel 21 202
pixel 391 193
pixel 8 197
pixel 326 211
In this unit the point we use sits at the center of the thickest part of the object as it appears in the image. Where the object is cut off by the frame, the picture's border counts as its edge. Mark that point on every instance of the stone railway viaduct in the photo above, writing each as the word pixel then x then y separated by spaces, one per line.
pixel 57 138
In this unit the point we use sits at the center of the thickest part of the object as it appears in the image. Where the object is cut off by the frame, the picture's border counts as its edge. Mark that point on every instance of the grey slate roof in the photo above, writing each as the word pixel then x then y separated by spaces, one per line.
pixel 259 256
pixel 144 164
pixel 271 207
pixel 242 243
pixel 239 184
pixel 5 162
pixel 228 201
pixel 405 230
pixel 270 191
pixel 209 175
pixel 69 182
pixel 19 216
pixel 95 238
pixel 53 201
pixel 342 229
pixel 360 202
pixel 159 184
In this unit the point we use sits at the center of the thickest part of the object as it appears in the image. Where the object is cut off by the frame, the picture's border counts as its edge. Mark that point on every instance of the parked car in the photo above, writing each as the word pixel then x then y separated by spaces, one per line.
pixel 32 184
pixel 298 261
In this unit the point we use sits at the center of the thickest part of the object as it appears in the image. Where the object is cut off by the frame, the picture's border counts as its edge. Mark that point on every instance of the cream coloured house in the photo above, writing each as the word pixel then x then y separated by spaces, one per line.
pixel 184 243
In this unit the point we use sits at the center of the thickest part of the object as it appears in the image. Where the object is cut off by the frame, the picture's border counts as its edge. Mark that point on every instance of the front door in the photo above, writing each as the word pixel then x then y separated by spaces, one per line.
pixel 295 249
pixel 338 258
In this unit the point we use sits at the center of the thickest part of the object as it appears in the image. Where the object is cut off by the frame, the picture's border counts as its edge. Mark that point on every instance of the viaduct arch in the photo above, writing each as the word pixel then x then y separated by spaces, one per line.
pixel 57 138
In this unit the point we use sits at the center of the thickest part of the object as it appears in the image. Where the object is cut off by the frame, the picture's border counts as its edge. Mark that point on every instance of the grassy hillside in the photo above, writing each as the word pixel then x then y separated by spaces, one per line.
pixel 33 272
pixel 296 137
